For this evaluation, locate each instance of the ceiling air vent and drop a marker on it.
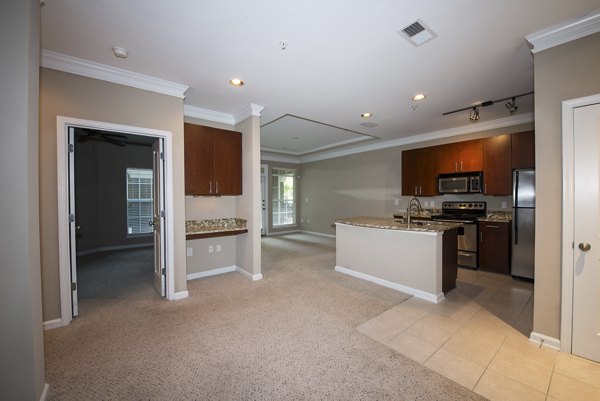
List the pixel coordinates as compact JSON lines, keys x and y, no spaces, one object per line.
{"x":417,"y":33}
{"x":369,"y":125}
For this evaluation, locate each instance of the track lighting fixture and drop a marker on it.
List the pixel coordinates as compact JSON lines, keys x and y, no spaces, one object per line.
{"x":474,"y":114}
{"x":511,"y":106}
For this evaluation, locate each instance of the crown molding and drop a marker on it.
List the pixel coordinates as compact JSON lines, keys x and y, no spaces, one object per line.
{"x":445,"y":133}
{"x":280,"y":158}
{"x":87,"y":68}
{"x":564,"y":32}
{"x":248,"y":111}
{"x":209,"y":115}
{"x":277,"y":151}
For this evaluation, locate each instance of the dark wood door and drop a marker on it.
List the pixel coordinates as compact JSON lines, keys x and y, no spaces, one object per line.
{"x":494,"y":247}
{"x":198,"y":159}
{"x":227,"y":162}
{"x":471,"y":155}
{"x":523,"y":150}
{"x":448,"y":158}
{"x":497,"y":174}
{"x":427,"y":171}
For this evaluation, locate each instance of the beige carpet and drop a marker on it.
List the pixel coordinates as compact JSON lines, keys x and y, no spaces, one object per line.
{"x":290,"y":336}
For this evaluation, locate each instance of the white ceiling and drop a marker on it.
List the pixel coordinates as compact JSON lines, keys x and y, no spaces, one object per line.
{"x":343,"y":58}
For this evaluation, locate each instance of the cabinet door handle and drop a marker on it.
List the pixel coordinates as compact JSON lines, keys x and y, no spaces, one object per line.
{"x":481,"y":237}
{"x":461,"y":169}
{"x":416,"y":193}
{"x":488,"y":226}
{"x":485,"y":188}
{"x":455,"y":167}
{"x":217,"y":185}
{"x":210,"y":187}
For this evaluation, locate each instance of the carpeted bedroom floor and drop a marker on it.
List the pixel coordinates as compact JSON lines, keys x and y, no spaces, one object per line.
{"x":290,"y":336}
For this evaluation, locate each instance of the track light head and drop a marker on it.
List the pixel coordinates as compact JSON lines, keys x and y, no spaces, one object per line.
{"x":474,"y":114}
{"x":511,"y":105}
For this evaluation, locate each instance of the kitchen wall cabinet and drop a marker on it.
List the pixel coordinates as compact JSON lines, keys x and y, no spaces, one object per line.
{"x":523,"y":150}
{"x":494,"y":247}
{"x":497,"y":174}
{"x":460,"y":156}
{"x":419,"y":171}
{"x":213,"y":161}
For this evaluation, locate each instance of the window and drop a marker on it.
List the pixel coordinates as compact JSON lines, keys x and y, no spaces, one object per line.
{"x":139,"y":200}
{"x":284,"y":197}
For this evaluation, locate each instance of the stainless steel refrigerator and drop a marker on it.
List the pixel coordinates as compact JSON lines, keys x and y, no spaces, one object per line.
{"x":523,"y":224}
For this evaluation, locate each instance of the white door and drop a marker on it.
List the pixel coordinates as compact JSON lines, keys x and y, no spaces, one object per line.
{"x":158,"y":216}
{"x":263,"y":189}
{"x":586,"y":263}
{"x":72,"y":223}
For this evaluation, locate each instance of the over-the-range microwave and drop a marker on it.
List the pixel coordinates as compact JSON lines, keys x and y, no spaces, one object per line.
{"x":461,"y":183}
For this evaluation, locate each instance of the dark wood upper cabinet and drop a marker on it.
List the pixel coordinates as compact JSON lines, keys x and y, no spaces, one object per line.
{"x":460,"y":157}
{"x":497,"y":174}
{"x":494,"y":247}
{"x":419,"y":171}
{"x":523,"y":150}
{"x":213,"y":161}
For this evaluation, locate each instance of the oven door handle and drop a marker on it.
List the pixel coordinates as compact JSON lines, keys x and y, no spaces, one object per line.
{"x":456,"y":221}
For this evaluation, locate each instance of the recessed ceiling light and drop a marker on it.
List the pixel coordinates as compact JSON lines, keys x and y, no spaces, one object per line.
{"x":120,"y":52}
{"x":419,"y":96}
{"x":366,"y":115}
{"x":236,"y":82}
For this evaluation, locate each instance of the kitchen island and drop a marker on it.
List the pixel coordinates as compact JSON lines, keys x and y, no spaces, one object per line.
{"x":418,"y":258}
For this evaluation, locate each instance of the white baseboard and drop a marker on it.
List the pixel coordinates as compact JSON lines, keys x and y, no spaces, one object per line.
{"x":253,"y":277}
{"x":544,"y":341}
{"x":113,"y":248}
{"x":44,"y":392}
{"x":213,"y":272}
{"x":316,"y":233}
{"x":273,"y":233}
{"x":54,"y":324}
{"x":435,"y":298}
{"x":179,"y":295}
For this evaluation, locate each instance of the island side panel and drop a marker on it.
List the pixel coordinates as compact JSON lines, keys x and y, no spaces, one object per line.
{"x":407,"y":258}
{"x":449,"y":260}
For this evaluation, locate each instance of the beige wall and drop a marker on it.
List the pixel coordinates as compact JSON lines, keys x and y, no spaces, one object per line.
{"x":369,"y":183}
{"x":21,"y":341}
{"x":564,"y":72}
{"x":64,"y":94}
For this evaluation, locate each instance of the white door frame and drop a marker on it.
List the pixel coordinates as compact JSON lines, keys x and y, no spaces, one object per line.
{"x":266,"y":211}
{"x":62,"y":124}
{"x":568,"y":148}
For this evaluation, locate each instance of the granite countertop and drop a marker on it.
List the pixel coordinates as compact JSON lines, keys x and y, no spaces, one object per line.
{"x":392,"y":224}
{"x":214,"y":226}
{"x":497,"y":216}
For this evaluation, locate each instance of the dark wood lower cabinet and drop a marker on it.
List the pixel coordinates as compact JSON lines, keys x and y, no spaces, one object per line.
{"x":494,"y":247}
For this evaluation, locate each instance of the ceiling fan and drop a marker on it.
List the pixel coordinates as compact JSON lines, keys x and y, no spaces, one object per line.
{"x":101,"y":136}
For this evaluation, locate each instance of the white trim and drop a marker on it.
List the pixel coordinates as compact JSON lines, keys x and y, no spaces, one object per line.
{"x":341,"y":143}
{"x":91,"y":69}
{"x":62,"y":124}
{"x":53,"y":324}
{"x":248,"y":111}
{"x":568,"y":210}
{"x":319,"y":234}
{"x":545,"y":341}
{"x":113,"y":248}
{"x":209,"y":115}
{"x":280,"y":158}
{"x":445,"y":133}
{"x":272,"y":233}
{"x":565,"y":32}
{"x":44,"y":392}
{"x":283,"y":152}
{"x":427,"y":296}
{"x":253,"y":277}
{"x":179,"y":295}
{"x":213,"y":272}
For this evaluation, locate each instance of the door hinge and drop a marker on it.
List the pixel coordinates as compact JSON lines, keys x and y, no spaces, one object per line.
{"x":573,"y":245}
{"x":71,"y":218}
{"x":164,"y":271}
{"x":162,"y":156}
{"x":71,"y":148}
{"x":162,"y":213}
{"x":73,"y":286}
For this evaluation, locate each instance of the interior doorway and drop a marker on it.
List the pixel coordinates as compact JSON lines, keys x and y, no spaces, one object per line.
{"x":142,"y":220}
{"x":580,"y":317}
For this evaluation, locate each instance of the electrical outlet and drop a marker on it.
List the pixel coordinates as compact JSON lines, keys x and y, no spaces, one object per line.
{"x":190,"y":251}
{"x":503,"y":204}
{"x":302,"y":220}
{"x":396,"y":202}
{"x":305,"y":200}
{"x":426,"y":204}
{"x":307,"y":221}
{"x":218,"y":247}
{"x":210,"y":249}
{"x":432,"y":203}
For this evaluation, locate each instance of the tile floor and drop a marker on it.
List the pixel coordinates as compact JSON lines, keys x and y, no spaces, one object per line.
{"x":478,"y":337}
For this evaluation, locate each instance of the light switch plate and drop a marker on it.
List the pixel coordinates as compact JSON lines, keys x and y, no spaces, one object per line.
{"x":218,"y":247}
{"x":190,"y":251}
{"x":210,"y":249}
{"x":503,"y":204}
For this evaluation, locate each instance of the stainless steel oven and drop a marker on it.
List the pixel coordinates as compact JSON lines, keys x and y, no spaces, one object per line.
{"x":466,"y":214}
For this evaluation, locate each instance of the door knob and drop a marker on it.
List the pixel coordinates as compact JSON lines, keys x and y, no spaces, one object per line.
{"x":584,"y":246}
{"x":151,"y":223}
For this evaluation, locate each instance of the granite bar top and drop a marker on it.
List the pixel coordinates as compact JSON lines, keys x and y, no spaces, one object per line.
{"x":497,"y":216}
{"x":214,"y":226}
{"x":392,"y":224}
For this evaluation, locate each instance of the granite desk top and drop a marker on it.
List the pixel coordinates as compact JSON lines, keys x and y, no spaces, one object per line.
{"x":197,"y":227}
{"x":392,"y":224}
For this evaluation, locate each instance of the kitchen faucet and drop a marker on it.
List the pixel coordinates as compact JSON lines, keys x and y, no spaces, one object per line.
{"x":409,"y":208}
